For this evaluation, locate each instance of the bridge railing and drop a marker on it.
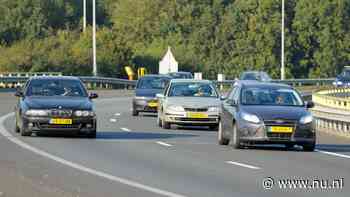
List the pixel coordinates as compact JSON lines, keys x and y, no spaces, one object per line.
{"x":332,"y":111}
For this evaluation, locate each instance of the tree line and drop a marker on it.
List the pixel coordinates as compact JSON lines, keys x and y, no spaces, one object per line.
{"x":209,"y":36}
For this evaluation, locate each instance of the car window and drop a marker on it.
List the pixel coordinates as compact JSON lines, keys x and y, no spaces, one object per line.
{"x":55,"y":87}
{"x":250,"y":76}
{"x":270,"y":96}
{"x":192,"y":89}
{"x":152,"y":83}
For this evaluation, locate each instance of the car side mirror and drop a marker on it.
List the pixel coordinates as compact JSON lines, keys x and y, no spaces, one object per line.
{"x":19,"y":93}
{"x":160,"y":96}
{"x":222,"y":97}
{"x":309,"y":104}
{"x":93,"y":96}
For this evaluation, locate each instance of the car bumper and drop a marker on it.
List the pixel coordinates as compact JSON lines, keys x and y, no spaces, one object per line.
{"x":183,"y":118}
{"x":145,"y":105}
{"x":37,"y":124}
{"x":260,"y":134}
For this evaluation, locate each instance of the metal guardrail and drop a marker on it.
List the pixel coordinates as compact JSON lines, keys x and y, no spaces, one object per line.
{"x":292,"y":82}
{"x":332,"y":111}
{"x":29,"y":74}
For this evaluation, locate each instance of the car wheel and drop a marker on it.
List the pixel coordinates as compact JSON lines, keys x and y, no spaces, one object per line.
{"x":135,"y":112}
{"x":23,"y":132}
{"x":92,"y":135}
{"x":214,"y":127}
{"x":17,"y":130}
{"x":309,"y":147}
{"x":166,"y":125}
{"x":221,"y":139}
{"x":159,"y":121}
{"x":236,"y":142}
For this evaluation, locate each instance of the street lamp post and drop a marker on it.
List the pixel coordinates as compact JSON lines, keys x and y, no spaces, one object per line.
{"x":84,"y":17}
{"x":94,"y":37}
{"x":283,"y":72}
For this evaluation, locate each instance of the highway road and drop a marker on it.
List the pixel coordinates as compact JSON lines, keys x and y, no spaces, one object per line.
{"x":133,"y":157}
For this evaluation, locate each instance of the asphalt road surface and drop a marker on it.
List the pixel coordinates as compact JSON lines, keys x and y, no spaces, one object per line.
{"x":133,"y":157}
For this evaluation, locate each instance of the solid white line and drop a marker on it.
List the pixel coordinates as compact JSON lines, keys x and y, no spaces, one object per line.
{"x":333,"y":154}
{"x":113,"y":120}
{"x":110,"y":177}
{"x":125,"y":129}
{"x":243,"y":165}
{"x":164,"y":144}
{"x":117,"y":114}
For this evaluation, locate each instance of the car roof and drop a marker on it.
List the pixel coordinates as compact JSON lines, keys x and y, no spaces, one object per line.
{"x":55,"y":77}
{"x":253,"y":83}
{"x":190,"y":80}
{"x":155,"y":75}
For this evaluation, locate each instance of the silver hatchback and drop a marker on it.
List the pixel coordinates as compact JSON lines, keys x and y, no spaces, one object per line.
{"x":189,"y":102}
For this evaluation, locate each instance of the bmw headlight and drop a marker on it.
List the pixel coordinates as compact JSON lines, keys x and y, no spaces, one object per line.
{"x":306,"y":119}
{"x":339,"y":82}
{"x":36,"y":112}
{"x":176,"y":108}
{"x":213,"y":109}
{"x":250,"y":118}
{"x":84,"y":113}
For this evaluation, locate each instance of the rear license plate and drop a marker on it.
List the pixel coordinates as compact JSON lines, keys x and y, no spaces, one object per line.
{"x":61,"y":121}
{"x":196,"y":115}
{"x":153,"y":104}
{"x":279,"y":129}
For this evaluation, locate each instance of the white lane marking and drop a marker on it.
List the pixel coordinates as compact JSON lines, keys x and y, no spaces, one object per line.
{"x":117,"y":114}
{"x":164,"y":144}
{"x":113,"y":120}
{"x":125,"y":129}
{"x":333,"y":154}
{"x":243,"y":165}
{"x":77,"y":166}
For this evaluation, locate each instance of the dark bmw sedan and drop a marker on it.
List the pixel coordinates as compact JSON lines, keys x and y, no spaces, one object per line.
{"x":147,"y":87}
{"x":270,"y":113}
{"x":55,"y":104}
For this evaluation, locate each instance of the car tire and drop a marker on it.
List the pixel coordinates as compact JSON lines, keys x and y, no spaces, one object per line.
{"x":236,"y":142}
{"x":159,"y":121}
{"x":221,"y":139}
{"x":309,"y":147}
{"x":92,"y":135}
{"x":17,"y":129}
{"x":135,"y":112}
{"x":23,"y":132}
{"x":214,"y":127}
{"x":166,"y":125}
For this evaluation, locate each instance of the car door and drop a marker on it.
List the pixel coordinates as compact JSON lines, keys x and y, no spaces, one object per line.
{"x":230,"y":109}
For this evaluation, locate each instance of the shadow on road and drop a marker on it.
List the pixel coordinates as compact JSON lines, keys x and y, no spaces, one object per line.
{"x":120,"y":135}
{"x":140,"y":135}
{"x":334,"y":147}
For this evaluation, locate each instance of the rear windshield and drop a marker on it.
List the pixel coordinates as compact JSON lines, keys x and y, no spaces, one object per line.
{"x":152,"y":83}
{"x":56,"y":87}
{"x":271,"y":96}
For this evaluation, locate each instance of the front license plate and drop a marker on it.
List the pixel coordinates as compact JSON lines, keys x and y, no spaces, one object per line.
{"x":278,"y":129}
{"x":196,"y":115}
{"x":61,"y":121}
{"x":153,"y":104}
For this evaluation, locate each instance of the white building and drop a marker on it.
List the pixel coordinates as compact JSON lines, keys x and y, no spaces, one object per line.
{"x":168,"y":63}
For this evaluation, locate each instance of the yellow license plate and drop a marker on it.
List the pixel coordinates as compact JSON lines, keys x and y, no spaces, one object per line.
{"x":153,"y":104}
{"x":196,"y":115}
{"x":61,"y":121}
{"x":277,"y":129}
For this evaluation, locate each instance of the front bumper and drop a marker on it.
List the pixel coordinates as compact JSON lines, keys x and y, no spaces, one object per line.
{"x":183,"y":118}
{"x":37,"y":124}
{"x":259,"y":133}
{"x":145,"y":105}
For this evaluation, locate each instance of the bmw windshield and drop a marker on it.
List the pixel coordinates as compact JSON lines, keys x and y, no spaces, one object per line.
{"x":270,"y":96}
{"x":54,"y":87}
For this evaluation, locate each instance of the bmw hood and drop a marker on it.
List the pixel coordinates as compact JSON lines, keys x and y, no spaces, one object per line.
{"x":276,"y":112}
{"x":194,"y":102}
{"x":55,"y":102}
